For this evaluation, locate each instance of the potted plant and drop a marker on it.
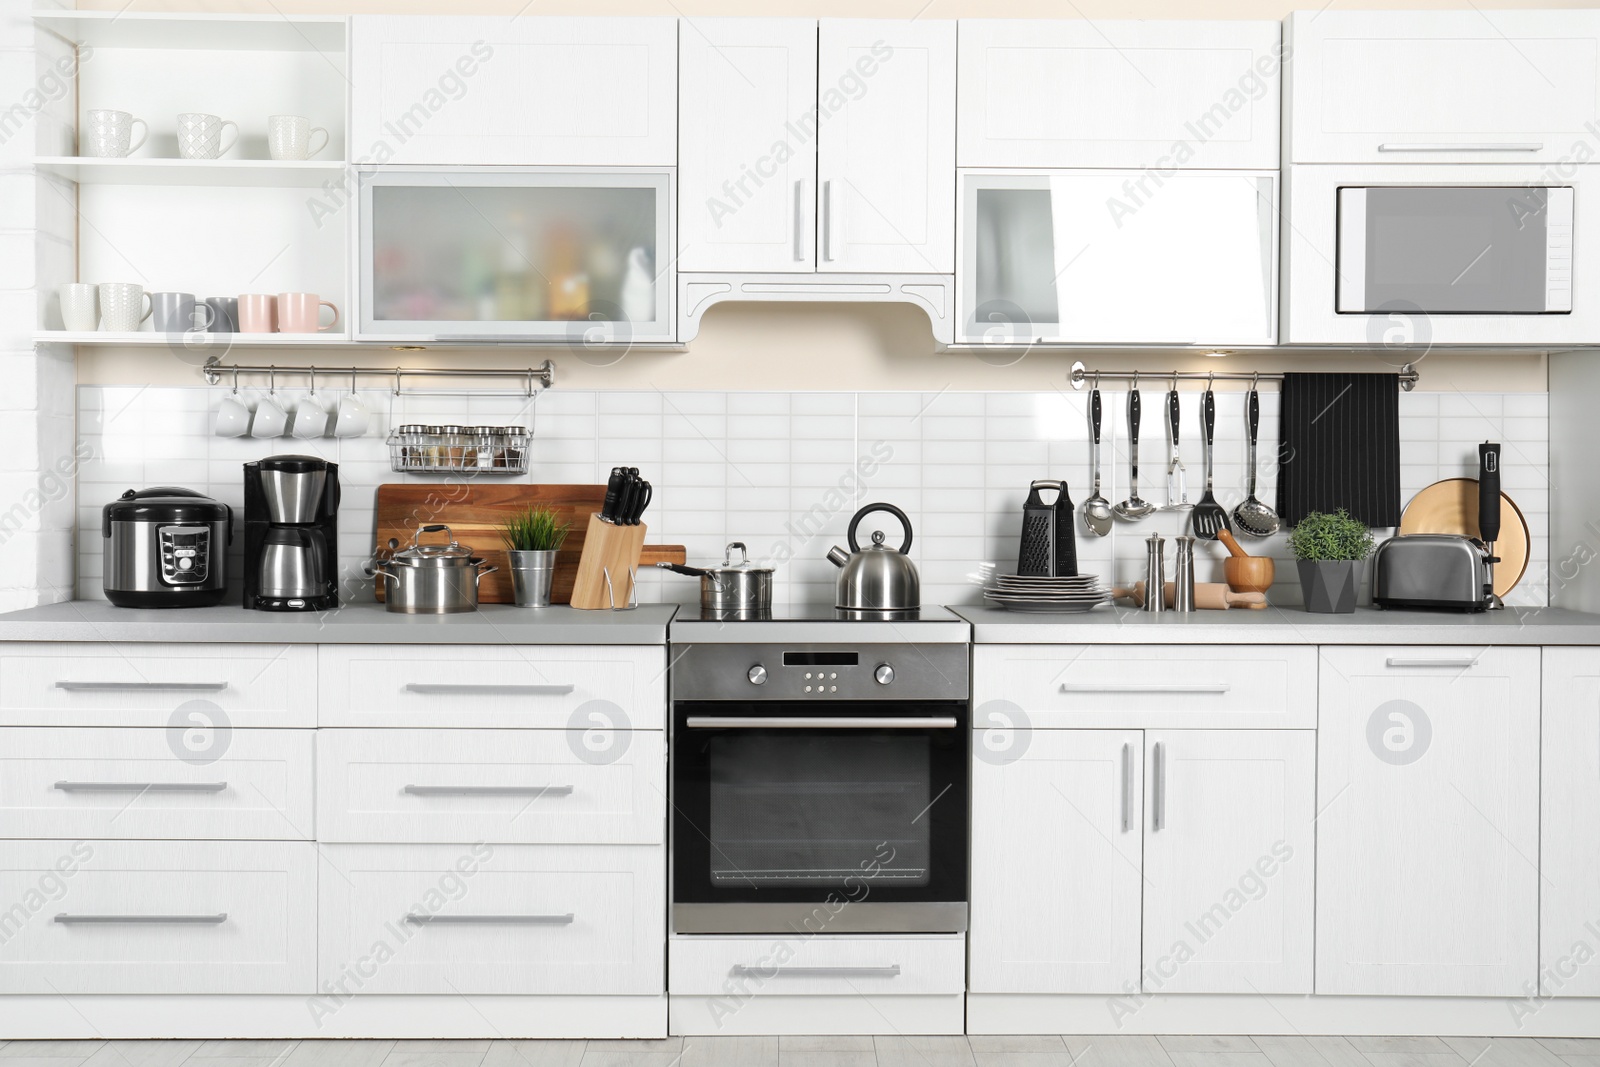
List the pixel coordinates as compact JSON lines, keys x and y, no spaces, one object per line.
{"x":532,"y":539}
{"x":1329,"y":550}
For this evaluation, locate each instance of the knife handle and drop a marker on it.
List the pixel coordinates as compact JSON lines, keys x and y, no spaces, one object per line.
{"x":1489,"y":491}
{"x":613,"y":500}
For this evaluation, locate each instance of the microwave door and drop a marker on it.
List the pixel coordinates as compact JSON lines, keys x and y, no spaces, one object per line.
{"x":1455,"y":250}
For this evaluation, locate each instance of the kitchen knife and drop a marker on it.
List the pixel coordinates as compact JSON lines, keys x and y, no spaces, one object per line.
{"x":613,"y":500}
{"x":630,"y":491}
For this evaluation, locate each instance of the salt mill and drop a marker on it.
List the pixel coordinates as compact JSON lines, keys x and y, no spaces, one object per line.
{"x":1183,"y":575}
{"x":1155,"y":573}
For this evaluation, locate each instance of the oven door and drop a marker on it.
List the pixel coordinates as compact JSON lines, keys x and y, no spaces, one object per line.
{"x":792,"y":818}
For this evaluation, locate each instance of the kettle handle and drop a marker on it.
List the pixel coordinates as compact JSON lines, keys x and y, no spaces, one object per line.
{"x":891,"y":509}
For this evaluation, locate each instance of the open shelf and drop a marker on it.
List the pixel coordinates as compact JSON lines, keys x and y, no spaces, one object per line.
{"x":165,"y":29}
{"x":216,"y":343}
{"x":87,"y":170}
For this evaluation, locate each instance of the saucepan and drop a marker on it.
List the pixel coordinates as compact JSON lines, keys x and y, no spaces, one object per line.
{"x":742,"y":587}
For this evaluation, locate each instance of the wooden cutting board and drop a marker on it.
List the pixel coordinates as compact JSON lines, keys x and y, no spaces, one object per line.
{"x":1451,"y":507}
{"x":474,"y":513}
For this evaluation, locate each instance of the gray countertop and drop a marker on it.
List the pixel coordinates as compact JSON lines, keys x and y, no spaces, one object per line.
{"x":1284,"y":626}
{"x":362,"y":623}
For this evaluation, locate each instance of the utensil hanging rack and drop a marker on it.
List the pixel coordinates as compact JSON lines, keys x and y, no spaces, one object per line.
{"x":534,"y":379}
{"x":1081,"y":375}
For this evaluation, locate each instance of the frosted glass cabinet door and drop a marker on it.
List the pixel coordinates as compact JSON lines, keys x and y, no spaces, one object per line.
{"x":547,"y":254}
{"x":1118,"y":257}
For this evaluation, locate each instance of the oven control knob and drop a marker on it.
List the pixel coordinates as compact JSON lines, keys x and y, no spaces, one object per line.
{"x":884,"y":674}
{"x":758,"y":675}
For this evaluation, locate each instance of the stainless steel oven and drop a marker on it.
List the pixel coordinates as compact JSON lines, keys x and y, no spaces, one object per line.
{"x":820,"y":787}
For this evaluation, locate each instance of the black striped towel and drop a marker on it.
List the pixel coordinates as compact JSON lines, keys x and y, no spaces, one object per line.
{"x":1340,"y":446}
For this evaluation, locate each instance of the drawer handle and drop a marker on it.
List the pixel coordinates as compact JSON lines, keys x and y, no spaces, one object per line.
{"x":1143,"y":687}
{"x":488,"y":790}
{"x":142,"y":920}
{"x":141,"y":787}
{"x":820,"y":722}
{"x":1466,"y":146}
{"x":113,"y":687}
{"x":490,"y":920}
{"x":741,"y":971}
{"x":1401,"y":661}
{"x":465,"y":689}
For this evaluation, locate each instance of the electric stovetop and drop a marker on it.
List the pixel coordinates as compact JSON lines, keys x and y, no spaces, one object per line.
{"x":818,"y":623}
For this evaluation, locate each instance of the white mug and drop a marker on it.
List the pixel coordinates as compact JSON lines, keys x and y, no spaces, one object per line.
{"x":109,"y":134}
{"x":271,"y":420}
{"x":77,"y":306}
{"x":310,"y":420}
{"x":123,"y":306}
{"x":353,"y":418}
{"x":200,"y":135}
{"x":290,"y":136}
{"x":233,"y":417}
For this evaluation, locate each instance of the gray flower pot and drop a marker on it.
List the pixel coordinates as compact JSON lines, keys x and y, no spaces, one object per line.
{"x":1329,"y":586}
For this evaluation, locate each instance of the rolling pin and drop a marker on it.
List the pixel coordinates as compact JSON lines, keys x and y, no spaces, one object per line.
{"x":1207,"y":595}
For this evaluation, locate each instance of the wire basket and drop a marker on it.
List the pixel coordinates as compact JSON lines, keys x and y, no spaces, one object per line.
{"x":417,"y":449}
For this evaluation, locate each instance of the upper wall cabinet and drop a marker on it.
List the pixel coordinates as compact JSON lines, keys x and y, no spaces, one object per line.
{"x":1441,"y":86}
{"x":1075,"y":93}
{"x":588,"y":92}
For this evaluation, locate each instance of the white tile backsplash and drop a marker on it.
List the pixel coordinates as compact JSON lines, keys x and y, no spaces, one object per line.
{"x":784,"y":472}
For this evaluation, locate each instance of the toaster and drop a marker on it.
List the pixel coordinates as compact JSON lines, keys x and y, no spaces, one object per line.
{"x":1448,"y":571}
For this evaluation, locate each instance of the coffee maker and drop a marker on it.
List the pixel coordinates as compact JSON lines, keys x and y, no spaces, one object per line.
{"x":291,"y":534}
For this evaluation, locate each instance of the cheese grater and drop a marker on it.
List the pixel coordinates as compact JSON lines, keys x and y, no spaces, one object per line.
{"x":1049,"y":546}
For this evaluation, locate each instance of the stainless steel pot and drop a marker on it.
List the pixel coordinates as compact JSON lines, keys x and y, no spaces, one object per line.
{"x":432,"y":579}
{"x":742,"y":587}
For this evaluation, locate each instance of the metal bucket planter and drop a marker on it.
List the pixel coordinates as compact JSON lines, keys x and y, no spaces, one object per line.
{"x":532,"y":573}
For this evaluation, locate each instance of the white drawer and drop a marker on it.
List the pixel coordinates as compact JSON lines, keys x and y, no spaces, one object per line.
{"x":158,"y":685}
{"x":485,"y":918}
{"x":1155,"y":686}
{"x":779,"y":965}
{"x":234,"y":918}
{"x":517,"y":686}
{"x":96,"y":782}
{"x":504,"y":786}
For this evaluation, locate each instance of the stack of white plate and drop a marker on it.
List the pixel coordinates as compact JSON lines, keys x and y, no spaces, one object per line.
{"x":1021,"y":593}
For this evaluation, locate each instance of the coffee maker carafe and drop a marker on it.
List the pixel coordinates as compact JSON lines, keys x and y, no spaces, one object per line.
{"x":291,"y":535}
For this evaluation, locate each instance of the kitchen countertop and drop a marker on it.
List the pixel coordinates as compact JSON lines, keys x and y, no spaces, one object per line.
{"x":360,"y":623}
{"x":1284,"y":626}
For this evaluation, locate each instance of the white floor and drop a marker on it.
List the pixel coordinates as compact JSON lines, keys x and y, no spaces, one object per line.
{"x":824,"y":1052}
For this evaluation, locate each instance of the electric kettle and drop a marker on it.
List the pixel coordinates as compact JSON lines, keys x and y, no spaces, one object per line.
{"x":877,"y":578}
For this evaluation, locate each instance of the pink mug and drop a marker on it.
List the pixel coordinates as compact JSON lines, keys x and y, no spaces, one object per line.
{"x":302,"y":313}
{"x":257,"y":313}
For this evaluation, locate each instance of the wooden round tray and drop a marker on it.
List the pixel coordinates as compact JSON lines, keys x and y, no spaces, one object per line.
{"x":1451,"y":507}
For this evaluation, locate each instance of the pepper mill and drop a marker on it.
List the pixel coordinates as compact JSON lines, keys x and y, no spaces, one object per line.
{"x":1183,"y":575}
{"x":1155,"y":572}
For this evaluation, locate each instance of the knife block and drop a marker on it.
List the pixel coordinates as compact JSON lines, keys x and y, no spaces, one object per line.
{"x":613,"y":549}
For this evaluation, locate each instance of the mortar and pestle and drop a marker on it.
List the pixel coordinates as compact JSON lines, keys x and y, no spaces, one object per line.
{"x":1245,"y":573}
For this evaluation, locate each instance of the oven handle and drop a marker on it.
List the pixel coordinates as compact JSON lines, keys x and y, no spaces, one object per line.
{"x":820,"y":722}
{"x":739,"y":970}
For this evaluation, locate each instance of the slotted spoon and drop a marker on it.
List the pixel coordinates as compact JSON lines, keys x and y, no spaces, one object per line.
{"x":1208,"y":516}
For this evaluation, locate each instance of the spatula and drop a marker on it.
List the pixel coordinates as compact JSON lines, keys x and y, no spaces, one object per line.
{"x":1209,"y":516}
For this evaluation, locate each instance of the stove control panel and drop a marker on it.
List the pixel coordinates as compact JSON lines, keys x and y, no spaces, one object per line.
{"x":820,"y":672}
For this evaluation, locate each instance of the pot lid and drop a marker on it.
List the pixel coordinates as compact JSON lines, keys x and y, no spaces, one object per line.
{"x":292,"y":464}
{"x":744,"y":563}
{"x":166,"y":504}
{"x":451,"y":554}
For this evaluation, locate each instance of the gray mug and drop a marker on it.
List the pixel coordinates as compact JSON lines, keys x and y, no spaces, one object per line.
{"x":175,"y":313}
{"x":224,"y":314}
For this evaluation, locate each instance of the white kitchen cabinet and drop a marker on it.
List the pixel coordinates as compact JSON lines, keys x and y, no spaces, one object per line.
{"x":1056,"y":864}
{"x":748,"y":144}
{"x":1154,"y":95}
{"x":537,"y":91}
{"x":1569,"y":892}
{"x":886,"y":150}
{"x":1229,"y":856}
{"x":1442,"y":86}
{"x":1428,"y":825}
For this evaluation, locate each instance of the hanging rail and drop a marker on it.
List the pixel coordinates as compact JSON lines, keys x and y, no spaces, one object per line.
{"x":1081,"y":375}
{"x":545,"y":374}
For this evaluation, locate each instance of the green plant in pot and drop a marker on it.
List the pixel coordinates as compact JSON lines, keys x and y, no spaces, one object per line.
{"x":1329,"y":549}
{"x":533,"y":537}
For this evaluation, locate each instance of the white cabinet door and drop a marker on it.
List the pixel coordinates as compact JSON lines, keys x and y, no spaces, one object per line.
{"x":886,"y":171}
{"x":1229,"y":861}
{"x":586,"y":92}
{"x":1569,"y":898}
{"x":1442,"y":86}
{"x":748,"y":144}
{"x":1056,"y":864}
{"x":1428,"y":824}
{"x":1095,"y":93}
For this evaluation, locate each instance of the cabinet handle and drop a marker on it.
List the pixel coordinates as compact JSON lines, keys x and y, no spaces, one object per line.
{"x":1478,"y":146}
{"x":1402,"y":661}
{"x":827,"y":221}
{"x":467,"y":689}
{"x":489,"y":920}
{"x":819,"y":722}
{"x":145,"y":687}
{"x":739,"y":970}
{"x":1158,"y":791}
{"x":488,"y":790}
{"x":1143,"y":687}
{"x":142,"y":920}
{"x":141,"y":787}
{"x":799,"y":220}
{"x":1127,"y":784}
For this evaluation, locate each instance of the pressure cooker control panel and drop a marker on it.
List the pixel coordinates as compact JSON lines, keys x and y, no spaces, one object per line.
{"x":185,"y":554}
